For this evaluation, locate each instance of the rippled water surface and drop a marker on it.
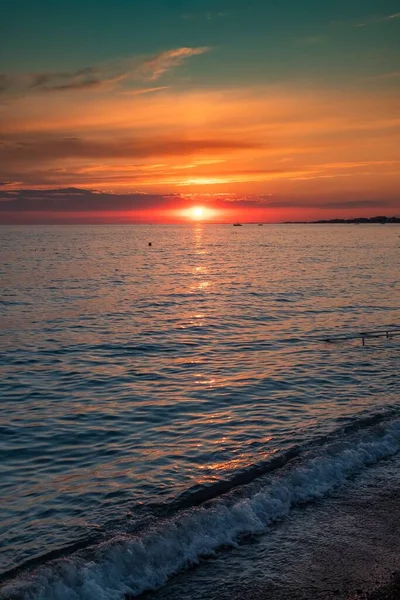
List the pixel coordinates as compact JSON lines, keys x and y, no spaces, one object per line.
{"x":135,"y":376}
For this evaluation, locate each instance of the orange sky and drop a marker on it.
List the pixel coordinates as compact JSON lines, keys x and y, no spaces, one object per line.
{"x":271,"y":142}
{"x":155,"y":138}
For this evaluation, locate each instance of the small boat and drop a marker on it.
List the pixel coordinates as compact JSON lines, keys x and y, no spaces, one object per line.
{"x":260,"y":224}
{"x":237,"y":225}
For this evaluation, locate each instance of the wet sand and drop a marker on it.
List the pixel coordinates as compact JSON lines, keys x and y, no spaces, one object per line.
{"x":390,"y":591}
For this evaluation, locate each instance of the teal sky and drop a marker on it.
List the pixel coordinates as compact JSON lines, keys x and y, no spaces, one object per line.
{"x":252,"y":39}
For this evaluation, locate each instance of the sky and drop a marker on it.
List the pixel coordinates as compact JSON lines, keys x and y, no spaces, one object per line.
{"x":255,"y":110}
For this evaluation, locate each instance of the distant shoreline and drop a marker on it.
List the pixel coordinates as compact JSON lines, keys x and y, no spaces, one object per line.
{"x":356,"y":220}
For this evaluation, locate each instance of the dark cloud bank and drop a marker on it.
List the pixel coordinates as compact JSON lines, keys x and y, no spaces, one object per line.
{"x":19,"y":206}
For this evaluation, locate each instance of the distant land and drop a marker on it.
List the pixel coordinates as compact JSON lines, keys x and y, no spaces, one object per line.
{"x":356,"y":220}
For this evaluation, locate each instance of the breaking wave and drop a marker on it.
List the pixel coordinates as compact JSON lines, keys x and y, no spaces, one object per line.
{"x":128,"y":565}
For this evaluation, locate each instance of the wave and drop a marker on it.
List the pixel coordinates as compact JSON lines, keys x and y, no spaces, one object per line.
{"x":128,"y":565}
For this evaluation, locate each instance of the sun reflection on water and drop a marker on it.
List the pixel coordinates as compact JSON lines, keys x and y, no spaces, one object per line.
{"x":200,"y":271}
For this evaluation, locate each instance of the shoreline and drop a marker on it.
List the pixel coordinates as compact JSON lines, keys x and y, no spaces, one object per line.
{"x":342,"y":547}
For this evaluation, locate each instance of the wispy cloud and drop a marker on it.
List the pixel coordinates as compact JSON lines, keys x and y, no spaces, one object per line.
{"x":358,"y":164}
{"x":148,"y":90}
{"x":8,"y":182}
{"x":378,"y":19}
{"x":40,"y":148}
{"x":156,"y":66}
{"x":106,"y":76}
{"x":266,"y":138}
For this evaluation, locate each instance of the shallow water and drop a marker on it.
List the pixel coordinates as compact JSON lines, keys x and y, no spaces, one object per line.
{"x":134,"y":377}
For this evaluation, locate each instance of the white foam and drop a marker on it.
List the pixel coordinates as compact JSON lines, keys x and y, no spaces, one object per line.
{"x":132,"y":565}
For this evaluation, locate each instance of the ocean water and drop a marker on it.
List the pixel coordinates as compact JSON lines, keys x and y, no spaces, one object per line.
{"x":158,"y":403}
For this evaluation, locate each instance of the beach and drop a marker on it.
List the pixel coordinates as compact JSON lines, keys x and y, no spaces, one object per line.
{"x":344,"y":547}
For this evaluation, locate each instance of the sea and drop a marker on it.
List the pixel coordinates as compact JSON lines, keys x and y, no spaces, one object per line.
{"x":173,"y":396}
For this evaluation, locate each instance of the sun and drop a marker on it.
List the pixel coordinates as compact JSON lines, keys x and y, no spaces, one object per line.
{"x":197,"y":213}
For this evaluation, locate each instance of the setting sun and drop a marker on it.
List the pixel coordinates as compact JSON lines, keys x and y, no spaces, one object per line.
{"x":199,"y":213}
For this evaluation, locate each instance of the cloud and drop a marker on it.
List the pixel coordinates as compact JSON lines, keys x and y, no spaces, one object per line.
{"x":357,"y":164}
{"x":106,"y":76}
{"x":91,"y":205}
{"x":378,"y":19}
{"x":141,"y":91}
{"x":39,"y":149}
{"x":354,"y":204}
{"x":51,"y":81}
{"x":391,"y":17}
{"x":9,"y":182}
{"x":79,"y":204}
{"x":155,"y":67}
{"x":275,"y":139}
{"x":74,"y":200}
